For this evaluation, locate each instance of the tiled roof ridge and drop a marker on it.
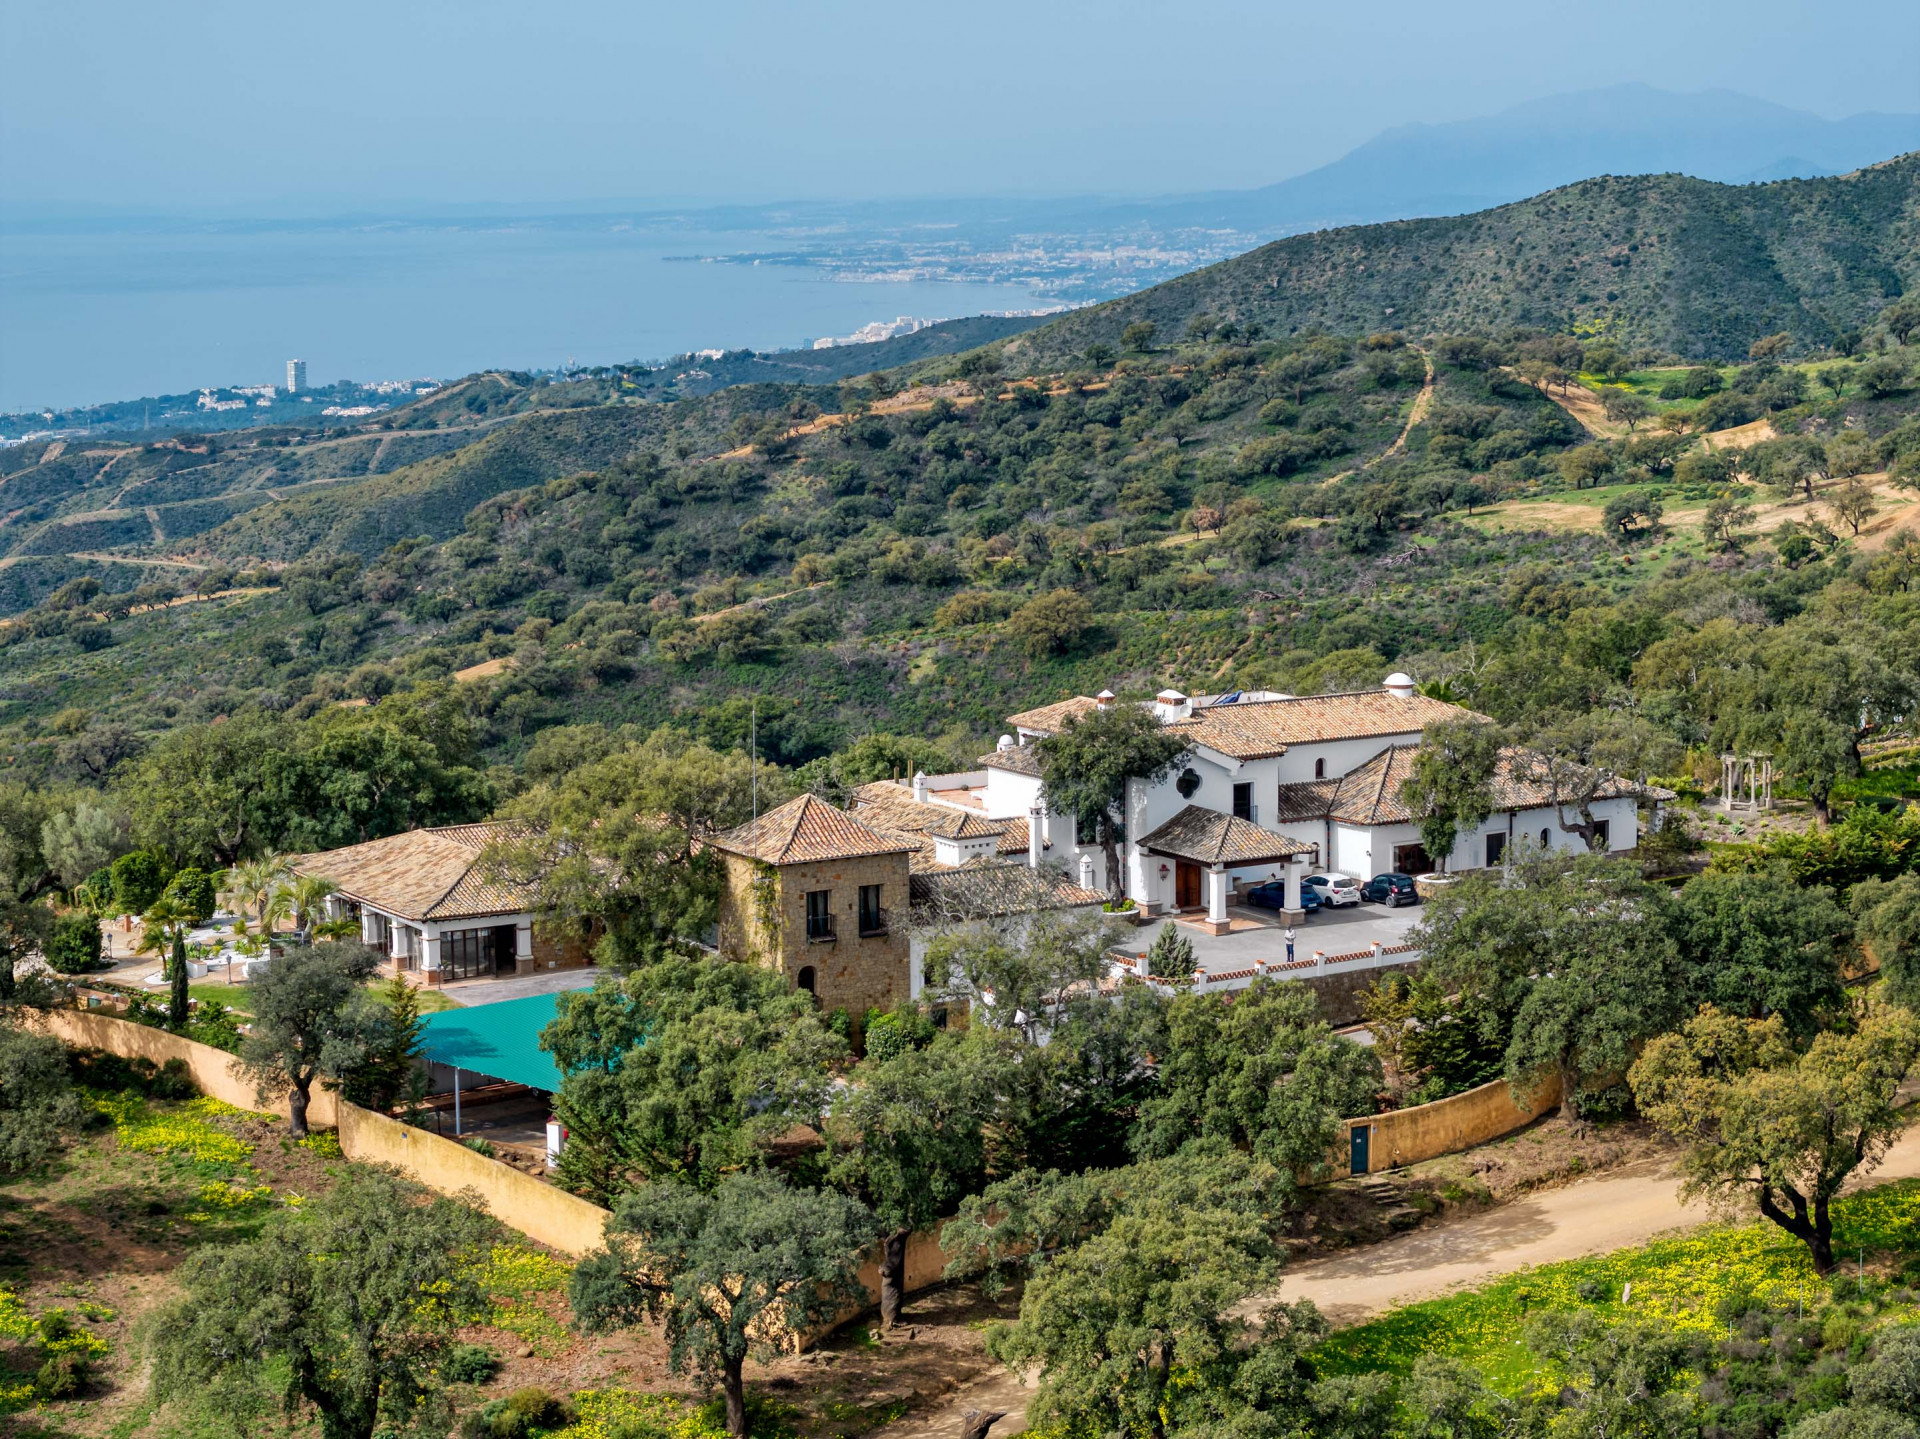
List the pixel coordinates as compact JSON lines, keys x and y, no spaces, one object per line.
{"x":1386,"y":772}
{"x":773,"y":837}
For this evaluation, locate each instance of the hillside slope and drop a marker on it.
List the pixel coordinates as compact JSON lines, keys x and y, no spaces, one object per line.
{"x":1686,"y":265}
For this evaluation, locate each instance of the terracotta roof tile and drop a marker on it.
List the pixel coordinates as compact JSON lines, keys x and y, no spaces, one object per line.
{"x":1265,"y":728}
{"x":1020,"y":759}
{"x":901,"y":813}
{"x":986,"y":889}
{"x":1370,"y":794}
{"x":807,"y":829}
{"x":1047,"y":719}
{"x":425,"y":874}
{"x":1207,"y":836}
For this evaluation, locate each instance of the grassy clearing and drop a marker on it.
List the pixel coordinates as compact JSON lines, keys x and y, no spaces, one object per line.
{"x":1689,"y":1282}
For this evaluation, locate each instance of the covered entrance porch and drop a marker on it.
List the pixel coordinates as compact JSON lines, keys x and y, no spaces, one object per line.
{"x":1196,"y":852}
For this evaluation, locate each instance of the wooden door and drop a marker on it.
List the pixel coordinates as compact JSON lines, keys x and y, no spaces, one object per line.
{"x":1186,"y":886}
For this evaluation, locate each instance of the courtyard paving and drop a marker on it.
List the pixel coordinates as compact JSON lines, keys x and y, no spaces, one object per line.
{"x":489,"y":990}
{"x":1258,"y":934}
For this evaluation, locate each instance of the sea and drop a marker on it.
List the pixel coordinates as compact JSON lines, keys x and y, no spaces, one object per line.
{"x":110,"y":310}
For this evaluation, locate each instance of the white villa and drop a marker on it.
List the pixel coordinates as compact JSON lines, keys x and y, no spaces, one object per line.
{"x":1275,"y":787}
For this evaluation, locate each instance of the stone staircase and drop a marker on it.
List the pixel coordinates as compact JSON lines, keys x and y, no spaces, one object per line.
{"x":1386,"y":1196}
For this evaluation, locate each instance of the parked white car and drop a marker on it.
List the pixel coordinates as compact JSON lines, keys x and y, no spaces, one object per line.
{"x":1336,"y":890}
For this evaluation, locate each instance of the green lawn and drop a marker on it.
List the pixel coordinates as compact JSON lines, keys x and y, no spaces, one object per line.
{"x":1686,"y":1282}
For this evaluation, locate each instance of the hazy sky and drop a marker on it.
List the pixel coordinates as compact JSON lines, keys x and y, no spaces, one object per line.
{"x":205,"y":105}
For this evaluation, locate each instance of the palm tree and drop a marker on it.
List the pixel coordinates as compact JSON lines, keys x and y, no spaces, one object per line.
{"x":250,"y":883}
{"x":345,"y":927}
{"x":309,"y":898}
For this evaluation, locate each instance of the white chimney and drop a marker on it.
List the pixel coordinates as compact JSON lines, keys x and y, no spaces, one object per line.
{"x":1006,"y":743}
{"x":1399,"y":685}
{"x":1170,"y":705}
{"x":920,"y":787}
{"x":1104,"y":698}
{"x":1086,"y":871}
{"x":1036,"y":826}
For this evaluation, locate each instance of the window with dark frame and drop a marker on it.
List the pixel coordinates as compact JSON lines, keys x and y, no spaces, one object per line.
{"x":1603,"y":834}
{"x":819,"y":914}
{"x":1496,"y":849}
{"x":466,"y":953}
{"x":1320,"y":769}
{"x":1243,"y":801}
{"x":873,"y":919}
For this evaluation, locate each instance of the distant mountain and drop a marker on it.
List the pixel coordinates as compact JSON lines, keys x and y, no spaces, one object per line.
{"x":1466,"y":165}
{"x":1687,"y":265}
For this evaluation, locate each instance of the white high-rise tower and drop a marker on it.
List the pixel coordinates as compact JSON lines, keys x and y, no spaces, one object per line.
{"x":296,"y":376}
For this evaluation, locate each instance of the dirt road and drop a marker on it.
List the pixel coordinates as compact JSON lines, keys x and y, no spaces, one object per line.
{"x":1611,"y":1211}
{"x":1617,"y":1209}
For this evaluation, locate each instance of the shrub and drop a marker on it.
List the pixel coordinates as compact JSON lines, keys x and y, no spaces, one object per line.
{"x":192,"y":889}
{"x":62,"y":1376}
{"x":516,"y":1416}
{"x":55,"y":1325}
{"x":74,"y":946}
{"x":470,"y":1364}
{"x":1171,"y":954}
{"x":891,"y":1033}
{"x":139,"y":878}
{"x":482,"y":1147}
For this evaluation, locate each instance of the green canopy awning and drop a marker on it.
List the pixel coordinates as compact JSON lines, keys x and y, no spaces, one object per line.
{"x":501,"y":1041}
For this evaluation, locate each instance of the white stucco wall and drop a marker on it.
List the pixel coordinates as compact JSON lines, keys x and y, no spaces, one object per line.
{"x":1010,"y":795}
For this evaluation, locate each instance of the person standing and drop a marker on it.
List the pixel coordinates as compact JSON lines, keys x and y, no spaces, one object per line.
{"x":1289,"y":944}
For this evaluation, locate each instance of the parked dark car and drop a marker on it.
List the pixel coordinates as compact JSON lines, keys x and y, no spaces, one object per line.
{"x":1392,"y":890}
{"x":1273,"y":895}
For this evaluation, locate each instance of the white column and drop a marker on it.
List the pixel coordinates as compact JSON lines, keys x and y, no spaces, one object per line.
{"x":396,"y":941}
{"x":1217,"y":895}
{"x":523,"y":940}
{"x":1296,"y":871}
{"x":366,"y":928}
{"x":430,"y":948}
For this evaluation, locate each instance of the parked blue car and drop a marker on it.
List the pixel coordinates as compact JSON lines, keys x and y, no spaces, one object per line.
{"x":1273,"y":895}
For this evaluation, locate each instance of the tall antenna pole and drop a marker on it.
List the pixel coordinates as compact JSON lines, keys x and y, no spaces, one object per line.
{"x":753,"y":751}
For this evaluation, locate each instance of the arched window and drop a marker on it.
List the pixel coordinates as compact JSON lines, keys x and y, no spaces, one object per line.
{"x":805,"y":978}
{"x":1546,"y":838}
{"x":1320,"y":769}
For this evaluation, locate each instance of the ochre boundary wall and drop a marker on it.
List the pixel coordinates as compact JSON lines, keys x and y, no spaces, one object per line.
{"x":1426,"y":1131}
{"x":212,"y":1068}
{"x":554,"y":1217}
{"x":540,"y":1211}
{"x":570,"y":1224}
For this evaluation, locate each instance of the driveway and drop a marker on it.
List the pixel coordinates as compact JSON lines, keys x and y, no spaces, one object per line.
{"x":467,"y":992}
{"x":1258,"y":934}
{"x":1611,"y":1211}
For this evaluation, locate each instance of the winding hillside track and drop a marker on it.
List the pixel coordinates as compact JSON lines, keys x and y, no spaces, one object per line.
{"x":1615,"y":1210}
{"x":1422,"y":403}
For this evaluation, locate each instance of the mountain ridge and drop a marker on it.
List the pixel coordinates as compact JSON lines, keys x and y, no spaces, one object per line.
{"x":1693,"y":266}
